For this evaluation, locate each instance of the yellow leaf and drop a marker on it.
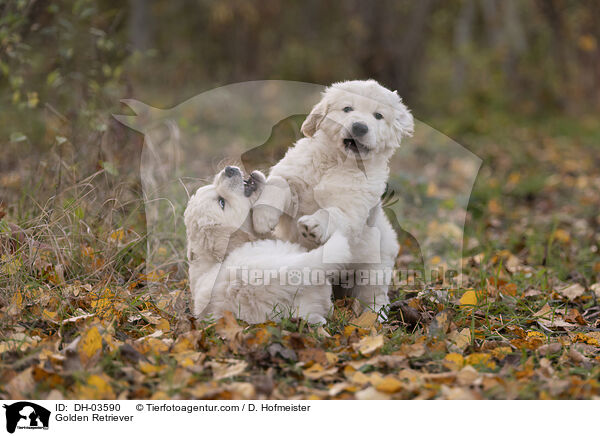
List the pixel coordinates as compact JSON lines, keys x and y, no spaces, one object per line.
{"x":454,"y":361}
{"x":316,"y":372}
{"x":501,"y":352}
{"x":10,"y":264}
{"x":89,"y":346}
{"x":480,"y":359}
{"x":160,"y":396}
{"x":154,"y":345}
{"x":117,"y":236}
{"x":332,"y":358}
{"x":163,"y":325}
{"x":389,"y":385}
{"x":469,"y":298}
{"x":349,"y":329}
{"x":49,"y":315}
{"x":97,"y":388}
{"x":260,"y":337}
{"x":103,"y":305}
{"x":366,"y":320}
{"x":562,"y":235}
{"x":369,"y":344}
{"x":586,"y":339}
{"x":183,"y":344}
{"x":359,"y":378}
{"x":17,"y":299}
{"x":148,"y":368}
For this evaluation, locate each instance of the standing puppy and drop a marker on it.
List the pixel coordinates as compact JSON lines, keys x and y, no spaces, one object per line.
{"x":333,"y":179}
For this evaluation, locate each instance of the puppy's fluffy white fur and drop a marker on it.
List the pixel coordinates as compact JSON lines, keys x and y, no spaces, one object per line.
{"x":332,"y":180}
{"x":220,"y":240}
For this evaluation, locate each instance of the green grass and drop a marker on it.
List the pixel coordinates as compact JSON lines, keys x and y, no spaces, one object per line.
{"x":534,"y":199}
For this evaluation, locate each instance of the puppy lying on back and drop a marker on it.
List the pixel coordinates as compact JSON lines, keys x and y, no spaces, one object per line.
{"x":332,"y":180}
{"x":225,"y":257}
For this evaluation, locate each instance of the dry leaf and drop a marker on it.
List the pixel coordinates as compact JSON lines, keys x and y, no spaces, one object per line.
{"x":228,"y":328}
{"x":549,"y":319}
{"x":460,"y":339}
{"x":90,"y":346}
{"x":389,"y":384}
{"x":469,"y":298}
{"x":369,"y":344}
{"x":366,"y":320}
{"x":454,"y":361}
{"x":316,"y":372}
{"x":571,"y":292}
{"x":371,"y":393}
{"x":228,"y":368}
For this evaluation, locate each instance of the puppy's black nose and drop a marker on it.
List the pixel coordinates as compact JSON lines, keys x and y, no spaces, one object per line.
{"x":231,"y":171}
{"x":359,"y":129}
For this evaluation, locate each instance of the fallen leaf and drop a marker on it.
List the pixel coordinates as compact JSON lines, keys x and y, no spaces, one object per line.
{"x":312,"y":355}
{"x":482,"y":359}
{"x":366,"y":320}
{"x":90,"y":346}
{"x":96,"y":388}
{"x":454,"y":361}
{"x":469,"y":298}
{"x":460,"y":339}
{"x":389,"y":384}
{"x":316,"y":372}
{"x":228,"y":368}
{"x":148,"y":368}
{"x":571,"y":292}
{"x":228,"y":328}
{"x":369,"y":344}
{"x":548,"y":318}
{"x":371,"y":393}
{"x":440,"y":324}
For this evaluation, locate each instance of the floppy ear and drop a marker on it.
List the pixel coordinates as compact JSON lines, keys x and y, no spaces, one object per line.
{"x":404,"y":124}
{"x":314,"y":118}
{"x":209,"y":239}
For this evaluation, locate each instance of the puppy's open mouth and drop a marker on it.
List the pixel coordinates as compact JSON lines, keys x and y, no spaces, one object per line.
{"x":250,"y":186}
{"x":354,"y":146}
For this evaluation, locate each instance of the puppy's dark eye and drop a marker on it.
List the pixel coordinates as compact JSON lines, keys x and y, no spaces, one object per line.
{"x":348,"y":109}
{"x":378,"y":116}
{"x":221,"y":202}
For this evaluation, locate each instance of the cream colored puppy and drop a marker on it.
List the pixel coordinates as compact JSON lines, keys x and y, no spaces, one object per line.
{"x":332,"y":180}
{"x":256,"y":280}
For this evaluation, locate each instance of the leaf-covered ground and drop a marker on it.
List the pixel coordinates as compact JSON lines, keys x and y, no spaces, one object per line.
{"x":77,"y":319}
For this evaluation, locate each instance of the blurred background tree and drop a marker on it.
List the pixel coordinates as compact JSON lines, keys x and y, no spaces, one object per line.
{"x":463,"y":66}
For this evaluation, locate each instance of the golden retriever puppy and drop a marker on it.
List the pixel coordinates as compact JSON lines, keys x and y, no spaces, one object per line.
{"x":256,"y":280}
{"x":332,"y":180}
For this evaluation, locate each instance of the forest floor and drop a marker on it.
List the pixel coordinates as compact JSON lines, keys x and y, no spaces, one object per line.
{"x":77,"y":320}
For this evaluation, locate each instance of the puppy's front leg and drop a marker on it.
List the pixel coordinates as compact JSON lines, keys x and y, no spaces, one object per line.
{"x":318,"y":227}
{"x":275,"y":199}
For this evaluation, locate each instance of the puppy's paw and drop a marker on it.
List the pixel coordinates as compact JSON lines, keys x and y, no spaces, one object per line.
{"x":312,"y":229}
{"x":265,"y":218}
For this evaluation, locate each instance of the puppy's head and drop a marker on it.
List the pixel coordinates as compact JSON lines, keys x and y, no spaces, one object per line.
{"x":361,"y":116}
{"x":216,"y":218}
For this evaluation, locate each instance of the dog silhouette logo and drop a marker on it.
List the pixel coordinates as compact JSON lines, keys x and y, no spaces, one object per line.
{"x":26,"y":415}
{"x":252,"y":125}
